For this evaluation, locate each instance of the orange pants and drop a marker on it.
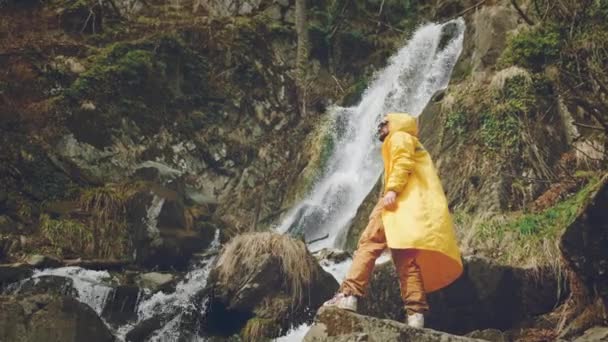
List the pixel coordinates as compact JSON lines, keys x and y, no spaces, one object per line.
{"x":371,"y":245}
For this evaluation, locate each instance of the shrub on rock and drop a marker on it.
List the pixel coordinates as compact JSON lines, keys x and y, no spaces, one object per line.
{"x":263,"y":284}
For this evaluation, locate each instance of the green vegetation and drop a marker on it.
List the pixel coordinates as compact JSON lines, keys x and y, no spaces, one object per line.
{"x":526,"y":239}
{"x":355,"y":92}
{"x":107,"y":221}
{"x":137,"y":81}
{"x":533,"y":48}
{"x":102,"y":234}
{"x":500,"y":129}
{"x":65,"y":236}
{"x":456,"y":121}
{"x":117,"y":65}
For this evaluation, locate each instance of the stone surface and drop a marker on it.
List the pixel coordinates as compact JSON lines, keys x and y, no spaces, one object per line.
{"x":471,"y":302}
{"x":155,"y":280}
{"x":121,"y":305}
{"x":48,"y":284}
{"x":11,"y":273}
{"x":335,"y":325}
{"x":42,"y":261}
{"x":160,"y":231}
{"x":50,"y":319}
{"x":491,"y":27}
{"x":584,"y":243}
{"x":594,"y":334}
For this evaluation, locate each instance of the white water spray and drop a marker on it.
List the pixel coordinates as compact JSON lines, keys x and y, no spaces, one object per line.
{"x":414,"y":74}
{"x":91,"y":286}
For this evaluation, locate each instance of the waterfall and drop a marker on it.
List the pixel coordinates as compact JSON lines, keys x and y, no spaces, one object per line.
{"x":414,"y":74}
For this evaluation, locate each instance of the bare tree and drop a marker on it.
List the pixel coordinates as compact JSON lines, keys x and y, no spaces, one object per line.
{"x":302,"y":52}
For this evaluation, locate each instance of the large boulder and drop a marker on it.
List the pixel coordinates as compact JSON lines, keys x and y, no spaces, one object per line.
{"x":263,"y":284}
{"x":336,"y":325}
{"x":51,"y":319}
{"x":162,"y":230}
{"x":584,"y":244}
{"x":487,"y":295}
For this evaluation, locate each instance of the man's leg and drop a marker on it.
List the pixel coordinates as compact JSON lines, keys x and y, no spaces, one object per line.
{"x":410,"y":281}
{"x":371,"y":245}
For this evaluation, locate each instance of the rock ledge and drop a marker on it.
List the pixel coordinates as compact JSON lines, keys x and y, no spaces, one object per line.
{"x":336,"y":325}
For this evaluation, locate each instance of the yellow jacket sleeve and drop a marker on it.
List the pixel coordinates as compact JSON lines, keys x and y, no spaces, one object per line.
{"x":402,"y":149}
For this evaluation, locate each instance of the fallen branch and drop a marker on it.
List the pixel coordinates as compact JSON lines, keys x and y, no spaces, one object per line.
{"x":521,"y":13}
{"x":318,"y":239}
{"x":588,"y":126}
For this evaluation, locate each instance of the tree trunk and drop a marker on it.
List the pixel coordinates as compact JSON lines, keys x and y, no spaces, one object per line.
{"x":302,"y":53}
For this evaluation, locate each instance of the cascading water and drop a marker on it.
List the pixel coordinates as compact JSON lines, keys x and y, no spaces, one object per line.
{"x":414,"y":74}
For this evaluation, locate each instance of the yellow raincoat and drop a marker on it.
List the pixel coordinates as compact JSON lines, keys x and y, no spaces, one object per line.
{"x":421,"y":220}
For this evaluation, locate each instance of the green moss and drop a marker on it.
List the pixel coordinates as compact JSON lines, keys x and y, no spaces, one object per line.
{"x":528,"y":238}
{"x":456,"y":121}
{"x":500,"y":129}
{"x":533,"y":48}
{"x":138,"y":81}
{"x":119,"y":67}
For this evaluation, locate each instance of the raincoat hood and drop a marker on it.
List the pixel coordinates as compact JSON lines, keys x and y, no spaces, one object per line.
{"x":402,"y":122}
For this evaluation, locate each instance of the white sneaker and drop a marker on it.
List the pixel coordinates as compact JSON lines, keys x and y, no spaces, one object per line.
{"x":416,"y":320}
{"x":343,"y":301}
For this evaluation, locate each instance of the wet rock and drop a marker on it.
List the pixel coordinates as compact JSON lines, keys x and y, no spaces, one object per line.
{"x":335,"y":325}
{"x":11,"y":273}
{"x":121,"y":305}
{"x":470,"y":302}
{"x":155,"y":281}
{"x":51,"y":319}
{"x":142,"y":331}
{"x":42,"y":261}
{"x":584,"y":242}
{"x":331,"y":255}
{"x":263,"y":284}
{"x":48,"y":284}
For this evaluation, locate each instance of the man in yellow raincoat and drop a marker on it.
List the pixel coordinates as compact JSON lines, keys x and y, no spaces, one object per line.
{"x":411,"y":219}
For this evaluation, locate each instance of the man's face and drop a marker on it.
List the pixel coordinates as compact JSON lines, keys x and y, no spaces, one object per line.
{"x":383,"y":130}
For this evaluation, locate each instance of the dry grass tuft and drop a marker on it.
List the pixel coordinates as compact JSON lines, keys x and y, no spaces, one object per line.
{"x":501,"y":77}
{"x":298,"y":267}
{"x":260,"y":329}
{"x":107,"y":206}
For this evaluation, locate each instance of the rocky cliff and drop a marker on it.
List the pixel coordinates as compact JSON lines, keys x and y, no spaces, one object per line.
{"x":137,"y":135}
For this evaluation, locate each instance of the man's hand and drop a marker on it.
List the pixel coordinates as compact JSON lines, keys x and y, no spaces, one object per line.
{"x":390,"y":200}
